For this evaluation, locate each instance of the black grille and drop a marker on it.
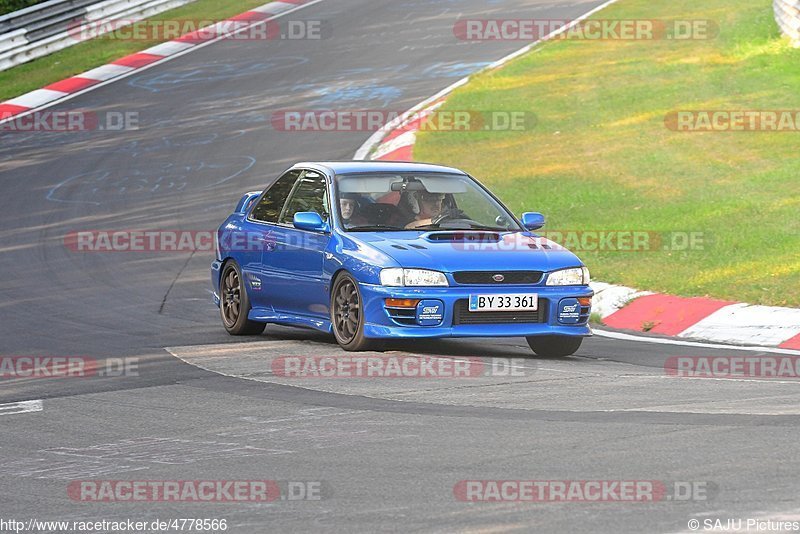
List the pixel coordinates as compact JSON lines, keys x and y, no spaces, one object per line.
{"x":403,"y":316}
{"x":462,"y":315}
{"x":485,"y":277}
{"x":584,"y":317}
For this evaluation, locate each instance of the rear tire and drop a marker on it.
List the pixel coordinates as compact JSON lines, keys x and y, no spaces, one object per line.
{"x":347,"y":316}
{"x":234,"y":305}
{"x":554,"y":346}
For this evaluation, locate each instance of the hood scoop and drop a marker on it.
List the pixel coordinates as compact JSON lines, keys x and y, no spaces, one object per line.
{"x":463,"y":237}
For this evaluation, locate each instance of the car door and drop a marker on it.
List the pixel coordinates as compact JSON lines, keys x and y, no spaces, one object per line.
{"x":294,"y":267}
{"x":257,"y":237}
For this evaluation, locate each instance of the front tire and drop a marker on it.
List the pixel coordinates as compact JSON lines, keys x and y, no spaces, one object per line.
{"x":347,"y":315}
{"x":234,"y":305}
{"x":554,"y":346}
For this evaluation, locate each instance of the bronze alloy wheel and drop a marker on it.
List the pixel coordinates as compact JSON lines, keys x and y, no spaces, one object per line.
{"x":347,"y":315}
{"x":234,"y":306}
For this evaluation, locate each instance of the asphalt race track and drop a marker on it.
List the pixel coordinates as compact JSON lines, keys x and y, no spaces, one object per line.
{"x":386,"y":453}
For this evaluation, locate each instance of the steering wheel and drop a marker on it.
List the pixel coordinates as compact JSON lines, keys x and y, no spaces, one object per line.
{"x":451,"y":214}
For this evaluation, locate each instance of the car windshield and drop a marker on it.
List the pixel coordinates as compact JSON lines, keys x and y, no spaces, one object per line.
{"x":390,"y":202}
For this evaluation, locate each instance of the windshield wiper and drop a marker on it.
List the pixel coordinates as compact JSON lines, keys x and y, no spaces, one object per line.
{"x":438,"y":226}
{"x":374,"y":228}
{"x":487,"y":228}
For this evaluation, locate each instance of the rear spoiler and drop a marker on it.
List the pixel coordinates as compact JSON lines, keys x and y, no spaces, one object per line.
{"x":246,"y":200}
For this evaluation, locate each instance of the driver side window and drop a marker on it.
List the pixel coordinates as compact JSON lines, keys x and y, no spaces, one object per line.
{"x":270,"y":206}
{"x":310,"y":194}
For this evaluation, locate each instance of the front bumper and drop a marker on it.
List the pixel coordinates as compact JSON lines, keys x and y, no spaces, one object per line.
{"x":379,"y":323}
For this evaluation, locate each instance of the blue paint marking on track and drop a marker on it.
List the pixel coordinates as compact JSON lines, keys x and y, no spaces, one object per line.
{"x":346,"y":93}
{"x":177,"y":79}
{"x":455,"y":70}
{"x":165,"y":144}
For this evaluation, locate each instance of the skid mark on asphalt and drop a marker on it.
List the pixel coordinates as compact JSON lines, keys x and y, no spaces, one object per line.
{"x":98,"y":186}
{"x":162,"y":450}
{"x":138,"y":454}
{"x":570,"y":385}
{"x":319,"y":428}
{"x":172,"y":284}
{"x":15,"y":408}
{"x":63,"y":469}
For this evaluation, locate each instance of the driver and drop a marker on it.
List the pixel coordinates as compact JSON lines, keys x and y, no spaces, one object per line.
{"x":430,"y":207}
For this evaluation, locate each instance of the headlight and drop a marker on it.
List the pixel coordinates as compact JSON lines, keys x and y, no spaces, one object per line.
{"x":397,"y":277}
{"x":578,"y":276}
{"x":392,"y":277}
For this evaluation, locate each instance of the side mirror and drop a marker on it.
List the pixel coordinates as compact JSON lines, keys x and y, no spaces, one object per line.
{"x":532,"y":220}
{"x":309,"y":220}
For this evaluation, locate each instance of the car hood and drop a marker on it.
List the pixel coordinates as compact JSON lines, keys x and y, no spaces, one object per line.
{"x":471,"y":251}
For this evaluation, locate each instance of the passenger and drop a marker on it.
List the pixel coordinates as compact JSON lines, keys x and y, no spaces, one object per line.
{"x":348,"y":207}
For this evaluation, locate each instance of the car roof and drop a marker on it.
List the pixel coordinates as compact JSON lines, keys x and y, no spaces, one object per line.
{"x":345,"y":167}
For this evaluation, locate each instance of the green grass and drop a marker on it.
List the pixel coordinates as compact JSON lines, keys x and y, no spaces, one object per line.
{"x":601,"y":158}
{"x":97,"y":52}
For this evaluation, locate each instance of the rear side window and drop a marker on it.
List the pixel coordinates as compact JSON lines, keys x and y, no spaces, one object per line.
{"x":269,"y":207}
{"x":309,"y":195}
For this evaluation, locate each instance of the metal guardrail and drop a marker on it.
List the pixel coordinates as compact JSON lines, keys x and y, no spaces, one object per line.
{"x":787,"y":15}
{"x":44,"y":19}
{"x":45,"y":28}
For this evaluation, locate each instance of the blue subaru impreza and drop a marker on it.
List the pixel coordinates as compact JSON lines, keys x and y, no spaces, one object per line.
{"x":370,"y":251}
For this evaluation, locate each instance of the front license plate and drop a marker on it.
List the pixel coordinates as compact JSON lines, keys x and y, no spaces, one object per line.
{"x":510,"y":302}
